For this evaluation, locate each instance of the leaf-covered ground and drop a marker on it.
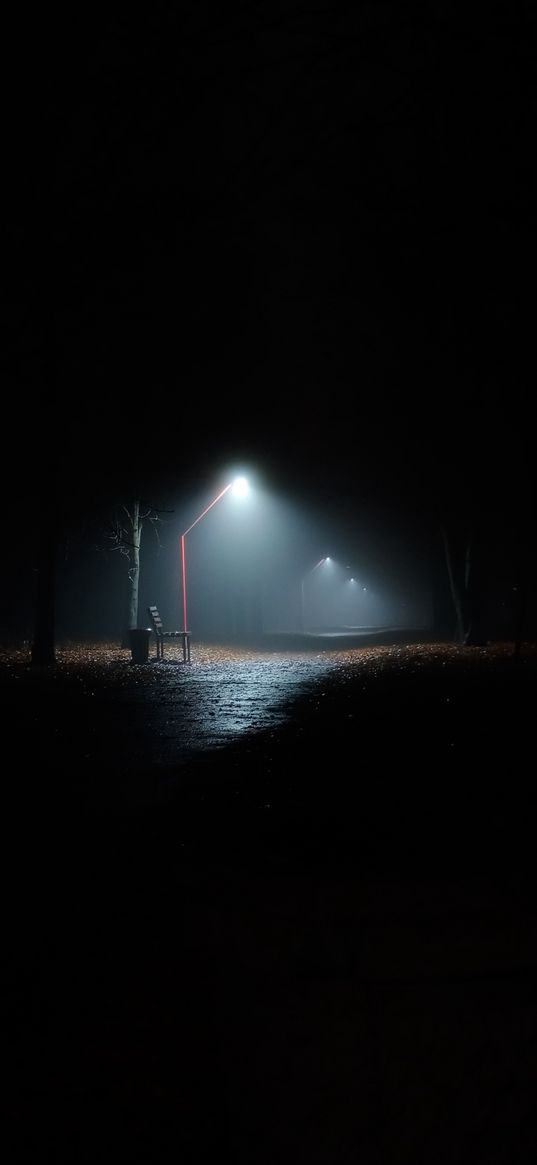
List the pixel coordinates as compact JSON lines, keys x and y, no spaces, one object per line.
{"x":274,"y":906}
{"x":105,"y":721}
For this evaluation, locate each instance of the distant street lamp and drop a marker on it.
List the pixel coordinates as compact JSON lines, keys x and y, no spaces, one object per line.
{"x":302,"y":593}
{"x":240,"y":488}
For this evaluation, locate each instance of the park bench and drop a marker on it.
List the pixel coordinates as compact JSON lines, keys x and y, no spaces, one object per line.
{"x":161,"y":635}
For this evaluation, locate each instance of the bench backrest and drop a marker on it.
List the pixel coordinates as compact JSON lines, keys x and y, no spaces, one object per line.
{"x":155,"y":620}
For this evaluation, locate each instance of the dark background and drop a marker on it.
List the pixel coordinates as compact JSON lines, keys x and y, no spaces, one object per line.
{"x":299,"y":237}
{"x":292,"y":235}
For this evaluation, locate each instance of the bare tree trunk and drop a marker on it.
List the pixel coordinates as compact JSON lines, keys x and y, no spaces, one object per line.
{"x":135,"y":569}
{"x":455,"y":591}
{"x":125,"y":534}
{"x":48,"y":510}
{"x":472,"y":594}
{"x":43,"y":644}
{"x":519,"y":619}
{"x":468,"y":561}
{"x":521,"y":594}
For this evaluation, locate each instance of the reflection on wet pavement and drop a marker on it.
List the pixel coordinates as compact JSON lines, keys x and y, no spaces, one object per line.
{"x":118,"y":729}
{"x":109,"y":726}
{"x":220,"y":697}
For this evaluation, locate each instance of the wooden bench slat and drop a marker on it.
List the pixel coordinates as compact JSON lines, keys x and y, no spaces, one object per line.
{"x":161,"y":635}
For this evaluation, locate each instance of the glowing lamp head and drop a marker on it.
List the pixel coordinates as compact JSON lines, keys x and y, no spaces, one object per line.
{"x":240,"y":487}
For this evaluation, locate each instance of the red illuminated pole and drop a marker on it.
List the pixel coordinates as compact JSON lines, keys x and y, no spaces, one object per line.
{"x":183,"y":536}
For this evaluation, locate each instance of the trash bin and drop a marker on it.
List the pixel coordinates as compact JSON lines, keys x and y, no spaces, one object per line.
{"x":139,"y":644}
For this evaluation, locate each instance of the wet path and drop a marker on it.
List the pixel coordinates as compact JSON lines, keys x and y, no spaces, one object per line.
{"x":214,"y":701}
{"x":115,"y":730}
{"x":106,"y":726}
{"x":321,"y":948}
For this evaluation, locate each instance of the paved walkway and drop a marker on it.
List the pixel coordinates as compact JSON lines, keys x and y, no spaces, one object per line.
{"x":316,"y":942}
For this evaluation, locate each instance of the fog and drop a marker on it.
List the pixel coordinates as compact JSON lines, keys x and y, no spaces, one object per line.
{"x":251,"y":568}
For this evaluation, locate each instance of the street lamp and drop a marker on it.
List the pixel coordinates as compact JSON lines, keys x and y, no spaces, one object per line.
{"x":302,"y":597}
{"x":240,"y":488}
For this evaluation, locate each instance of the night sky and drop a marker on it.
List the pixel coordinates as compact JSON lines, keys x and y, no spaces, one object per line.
{"x":290,"y":235}
{"x":297,"y":238}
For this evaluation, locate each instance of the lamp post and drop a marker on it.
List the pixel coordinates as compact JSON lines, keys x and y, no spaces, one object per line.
{"x":239,"y":487}
{"x":302,"y":596}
